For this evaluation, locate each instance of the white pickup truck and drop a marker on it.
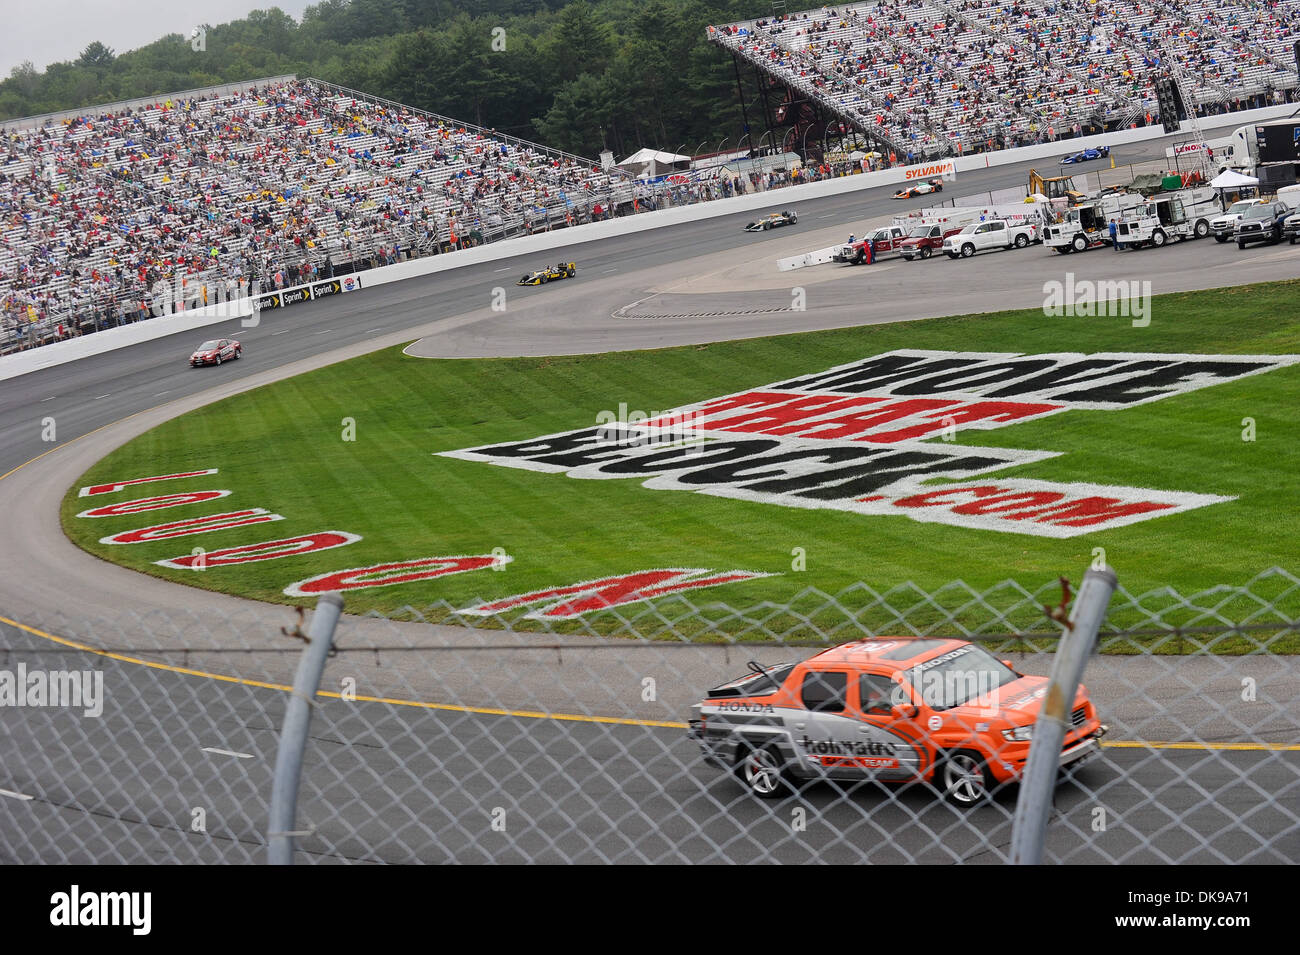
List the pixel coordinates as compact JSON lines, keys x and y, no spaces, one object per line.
{"x":983,"y":236}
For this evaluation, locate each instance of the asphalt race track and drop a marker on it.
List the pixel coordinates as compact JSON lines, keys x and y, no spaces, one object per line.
{"x":648,"y":290}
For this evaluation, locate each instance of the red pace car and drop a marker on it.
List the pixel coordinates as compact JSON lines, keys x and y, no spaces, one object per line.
{"x":946,"y":713}
{"x":215,"y":351}
{"x":920,"y":189}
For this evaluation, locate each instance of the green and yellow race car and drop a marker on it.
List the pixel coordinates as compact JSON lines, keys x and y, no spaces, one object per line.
{"x":565,"y":270}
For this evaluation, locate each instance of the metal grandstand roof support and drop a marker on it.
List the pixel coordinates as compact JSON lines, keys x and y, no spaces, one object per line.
{"x":740,"y":94}
{"x":764,"y":91}
{"x":816,"y":96}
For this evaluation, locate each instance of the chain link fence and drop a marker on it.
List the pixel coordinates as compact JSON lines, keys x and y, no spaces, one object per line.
{"x":142,"y":739}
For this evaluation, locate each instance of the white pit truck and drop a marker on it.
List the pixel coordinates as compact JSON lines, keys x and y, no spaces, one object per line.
{"x":1087,"y":225}
{"x":1173,"y":216}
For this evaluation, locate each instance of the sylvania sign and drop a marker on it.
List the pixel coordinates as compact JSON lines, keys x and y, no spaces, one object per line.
{"x":946,"y":169}
{"x":869,"y":438}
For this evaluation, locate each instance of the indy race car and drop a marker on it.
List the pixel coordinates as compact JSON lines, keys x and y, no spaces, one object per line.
{"x":939,"y":712}
{"x":215,"y":351}
{"x":1086,"y":155}
{"x":565,"y":270}
{"x":771,"y":221}
{"x":920,"y":189}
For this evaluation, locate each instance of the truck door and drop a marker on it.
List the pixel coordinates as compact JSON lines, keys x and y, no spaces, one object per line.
{"x":824,"y":730}
{"x":885,"y":745}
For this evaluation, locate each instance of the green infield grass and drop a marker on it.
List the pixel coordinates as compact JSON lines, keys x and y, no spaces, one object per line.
{"x":283,"y":448}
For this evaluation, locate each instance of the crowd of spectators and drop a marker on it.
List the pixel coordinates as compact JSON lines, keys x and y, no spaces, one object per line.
{"x":943,"y":77}
{"x":104,"y":213}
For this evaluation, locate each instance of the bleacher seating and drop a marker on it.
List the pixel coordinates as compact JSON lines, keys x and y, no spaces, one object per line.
{"x":267,"y":185}
{"x":932,"y":77}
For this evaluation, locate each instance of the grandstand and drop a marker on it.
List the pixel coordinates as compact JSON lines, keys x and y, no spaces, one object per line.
{"x":273,"y":182}
{"x":942,"y":77}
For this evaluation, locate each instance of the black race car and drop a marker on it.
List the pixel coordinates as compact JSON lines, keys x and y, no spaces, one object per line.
{"x":565,"y":270}
{"x":771,"y":221}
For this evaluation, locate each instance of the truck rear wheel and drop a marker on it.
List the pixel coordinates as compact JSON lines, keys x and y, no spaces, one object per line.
{"x":1022,"y":240}
{"x":761,"y":769}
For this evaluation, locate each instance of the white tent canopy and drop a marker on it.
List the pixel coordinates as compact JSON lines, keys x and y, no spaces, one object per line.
{"x":1231,"y":179}
{"x":652,"y":163}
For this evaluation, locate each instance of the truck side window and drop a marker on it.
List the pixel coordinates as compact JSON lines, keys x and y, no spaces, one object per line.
{"x":825,"y":691}
{"x":876,"y":694}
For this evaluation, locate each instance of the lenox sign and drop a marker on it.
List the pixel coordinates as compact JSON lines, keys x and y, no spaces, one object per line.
{"x":867,"y":437}
{"x":946,"y":169}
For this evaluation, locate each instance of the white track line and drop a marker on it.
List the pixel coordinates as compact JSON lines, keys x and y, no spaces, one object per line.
{"x":226,"y":752}
{"x":50,"y":398}
{"x":14,"y":795}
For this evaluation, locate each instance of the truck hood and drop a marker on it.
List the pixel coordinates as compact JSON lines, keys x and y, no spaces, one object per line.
{"x":1018,"y":702}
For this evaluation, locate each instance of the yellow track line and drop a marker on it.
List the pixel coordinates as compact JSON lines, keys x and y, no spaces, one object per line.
{"x":489,"y":711}
{"x":1256,"y":747}
{"x":569,"y":717}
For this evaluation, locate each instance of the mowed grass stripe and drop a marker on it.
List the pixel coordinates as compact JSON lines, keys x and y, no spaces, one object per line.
{"x":281,"y":447}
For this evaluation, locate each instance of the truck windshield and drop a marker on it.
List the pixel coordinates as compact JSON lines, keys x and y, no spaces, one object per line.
{"x":1258,"y":212}
{"x":958,"y":677}
{"x":920,"y":232}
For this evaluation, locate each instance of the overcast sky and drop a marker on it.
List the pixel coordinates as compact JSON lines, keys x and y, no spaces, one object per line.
{"x":47,"y":31}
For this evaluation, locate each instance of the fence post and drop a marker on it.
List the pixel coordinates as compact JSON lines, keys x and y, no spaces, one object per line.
{"x":1039,"y":783}
{"x":293,"y":735}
